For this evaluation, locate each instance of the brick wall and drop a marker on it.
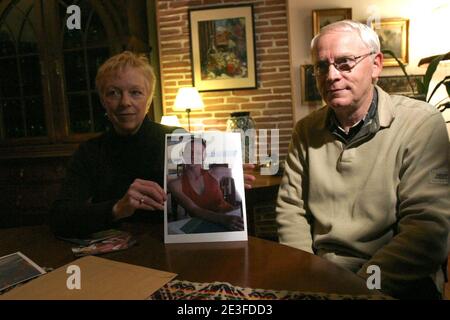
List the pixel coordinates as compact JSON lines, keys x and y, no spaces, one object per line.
{"x":270,"y":104}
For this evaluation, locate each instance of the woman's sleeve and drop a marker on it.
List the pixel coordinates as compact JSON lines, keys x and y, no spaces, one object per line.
{"x":72,"y":214}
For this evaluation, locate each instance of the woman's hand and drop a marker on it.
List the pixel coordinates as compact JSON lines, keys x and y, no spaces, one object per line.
{"x":142,"y":194}
{"x":233,"y":223}
{"x":248,"y":177}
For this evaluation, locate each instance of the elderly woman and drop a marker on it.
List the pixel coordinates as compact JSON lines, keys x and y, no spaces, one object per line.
{"x":118,"y":174}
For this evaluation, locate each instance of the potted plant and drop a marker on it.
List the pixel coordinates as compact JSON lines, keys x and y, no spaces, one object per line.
{"x":424,"y":87}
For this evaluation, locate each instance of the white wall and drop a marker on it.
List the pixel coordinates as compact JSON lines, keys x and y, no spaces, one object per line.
{"x":425,"y":17}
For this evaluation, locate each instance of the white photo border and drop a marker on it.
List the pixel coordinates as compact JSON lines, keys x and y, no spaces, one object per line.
{"x":232,"y":142}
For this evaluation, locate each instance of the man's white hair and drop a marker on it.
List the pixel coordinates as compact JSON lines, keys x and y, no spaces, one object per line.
{"x":367,"y":34}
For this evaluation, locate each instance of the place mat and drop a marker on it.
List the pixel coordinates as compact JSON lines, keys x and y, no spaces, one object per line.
{"x":186,"y":290}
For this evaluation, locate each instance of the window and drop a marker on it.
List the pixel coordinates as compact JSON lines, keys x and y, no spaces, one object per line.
{"x":47,"y":83}
{"x":83,"y":52}
{"x":21,"y":100}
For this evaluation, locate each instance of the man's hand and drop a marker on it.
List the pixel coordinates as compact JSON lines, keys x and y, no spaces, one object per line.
{"x":249,"y":178}
{"x":142,"y":194}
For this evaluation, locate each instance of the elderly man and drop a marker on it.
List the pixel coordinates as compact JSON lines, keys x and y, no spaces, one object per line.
{"x":366,"y":179}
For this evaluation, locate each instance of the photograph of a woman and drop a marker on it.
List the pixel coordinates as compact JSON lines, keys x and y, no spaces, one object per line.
{"x":203,"y":197}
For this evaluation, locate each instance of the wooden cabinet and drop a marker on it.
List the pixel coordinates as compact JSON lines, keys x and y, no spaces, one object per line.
{"x":48,"y":101}
{"x":260,"y":205}
{"x":27,"y":188}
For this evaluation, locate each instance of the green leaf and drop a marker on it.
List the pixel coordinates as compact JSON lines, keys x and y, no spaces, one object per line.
{"x":430,"y":72}
{"x":401,"y":65}
{"x":445,"y":81}
{"x":420,"y":87}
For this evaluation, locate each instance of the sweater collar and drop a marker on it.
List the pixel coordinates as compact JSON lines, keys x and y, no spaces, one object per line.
{"x":384,"y":110}
{"x":138,"y":136}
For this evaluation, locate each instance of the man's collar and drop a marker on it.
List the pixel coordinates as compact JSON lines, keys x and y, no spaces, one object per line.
{"x":386,"y":111}
{"x":333,"y":123}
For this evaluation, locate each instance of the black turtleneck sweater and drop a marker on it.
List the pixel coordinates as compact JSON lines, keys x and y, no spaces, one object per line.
{"x":100,"y":173}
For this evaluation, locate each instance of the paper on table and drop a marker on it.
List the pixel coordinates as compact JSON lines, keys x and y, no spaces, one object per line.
{"x":101,"y":279}
{"x":96,"y":237}
{"x":16,"y":268}
{"x":109,"y":245}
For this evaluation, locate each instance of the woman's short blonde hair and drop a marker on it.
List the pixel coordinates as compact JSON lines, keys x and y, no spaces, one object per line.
{"x":118,"y":63}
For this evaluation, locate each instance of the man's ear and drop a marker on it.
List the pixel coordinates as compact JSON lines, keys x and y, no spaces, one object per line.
{"x":377,"y":65}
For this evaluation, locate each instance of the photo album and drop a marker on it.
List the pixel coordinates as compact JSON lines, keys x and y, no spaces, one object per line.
{"x":205,"y":186}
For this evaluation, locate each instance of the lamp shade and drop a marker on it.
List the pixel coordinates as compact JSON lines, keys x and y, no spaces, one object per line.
{"x":170,"y":121}
{"x":188,"y":98}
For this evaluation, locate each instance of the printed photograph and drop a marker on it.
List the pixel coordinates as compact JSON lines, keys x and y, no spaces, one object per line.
{"x":204,"y":184}
{"x":17,"y":268}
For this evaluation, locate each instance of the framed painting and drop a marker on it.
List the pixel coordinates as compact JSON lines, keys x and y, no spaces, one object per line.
{"x":310,"y":92}
{"x":323,"y":17}
{"x":393,"y":34}
{"x":399,"y":84}
{"x":223,"y":47}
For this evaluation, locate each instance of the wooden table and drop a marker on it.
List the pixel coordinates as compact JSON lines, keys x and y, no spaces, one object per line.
{"x":257,"y":263}
{"x":265,"y":181}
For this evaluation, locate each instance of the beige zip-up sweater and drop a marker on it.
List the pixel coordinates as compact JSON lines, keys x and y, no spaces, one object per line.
{"x":381,"y":200}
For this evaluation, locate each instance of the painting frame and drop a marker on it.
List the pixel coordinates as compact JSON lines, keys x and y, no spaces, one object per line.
{"x":319,"y":15}
{"x":225,"y":57}
{"x":309,"y":92}
{"x":398,"y":84}
{"x":400,"y":45}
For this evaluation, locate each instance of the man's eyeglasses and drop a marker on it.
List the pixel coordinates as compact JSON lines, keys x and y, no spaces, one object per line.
{"x":342,"y":64}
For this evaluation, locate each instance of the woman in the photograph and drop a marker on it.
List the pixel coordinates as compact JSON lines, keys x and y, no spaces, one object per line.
{"x":199,"y":191}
